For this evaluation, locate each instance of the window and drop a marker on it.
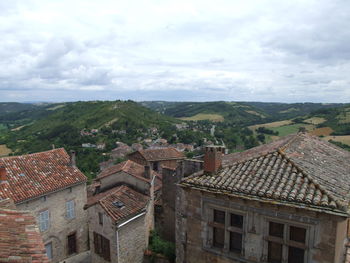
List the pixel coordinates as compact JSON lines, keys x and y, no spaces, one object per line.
{"x":155,"y":166}
{"x":72,"y":244}
{"x":70,"y":211}
{"x":44,"y":220}
{"x":100,"y":218}
{"x":102,"y":247}
{"x":286,"y":242}
{"x":48,"y":248}
{"x":227,"y":231}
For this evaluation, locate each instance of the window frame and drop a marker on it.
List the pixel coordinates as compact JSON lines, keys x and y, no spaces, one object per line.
{"x":75,"y":244}
{"x":44,"y":221}
{"x":49,"y":244}
{"x":227,"y":230}
{"x":102,"y":246}
{"x":100,"y":218}
{"x":285,"y":240}
{"x":70,"y":209}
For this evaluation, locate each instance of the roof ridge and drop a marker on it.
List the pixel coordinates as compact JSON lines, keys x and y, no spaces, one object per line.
{"x":314,"y":181}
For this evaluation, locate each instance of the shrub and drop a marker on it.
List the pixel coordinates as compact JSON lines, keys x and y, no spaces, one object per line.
{"x":160,"y":246}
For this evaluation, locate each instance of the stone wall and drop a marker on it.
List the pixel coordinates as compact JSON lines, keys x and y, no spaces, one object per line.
{"x":133,"y":237}
{"x":107,"y":229}
{"x":60,"y":226}
{"x":133,"y":241}
{"x":124,"y":178}
{"x":170,"y":178}
{"x":326,"y":233}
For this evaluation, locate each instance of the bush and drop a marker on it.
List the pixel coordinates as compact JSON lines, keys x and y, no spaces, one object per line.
{"x":160,"y":246}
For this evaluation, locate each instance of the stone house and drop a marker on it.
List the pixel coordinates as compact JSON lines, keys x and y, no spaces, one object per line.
{"x":156,"y":158}
{"x":287,"y":202}
{"x":49,"y":185}
{"x":117,"y":225}
{"x":20,"y":239}
{"x":121,"y":212}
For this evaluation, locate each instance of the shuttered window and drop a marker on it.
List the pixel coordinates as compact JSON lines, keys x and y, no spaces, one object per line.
{"x":44,"y":220}
{"x":102,"y":246}
{"x":70,"y":209}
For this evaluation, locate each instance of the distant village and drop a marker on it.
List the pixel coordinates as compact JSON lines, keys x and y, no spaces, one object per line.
{"x":287,"y":201}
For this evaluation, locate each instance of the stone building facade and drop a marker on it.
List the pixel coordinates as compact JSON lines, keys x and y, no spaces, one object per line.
{"x":50,"y":186}
{"x":170,"y":178}
{"x":124,"y":226}
{"x":157,"y":158}
{"x":121,"y":212}
{"x":286,"y":202}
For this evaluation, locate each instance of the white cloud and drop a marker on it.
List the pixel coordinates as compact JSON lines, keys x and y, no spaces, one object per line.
{"x":293,"y":50}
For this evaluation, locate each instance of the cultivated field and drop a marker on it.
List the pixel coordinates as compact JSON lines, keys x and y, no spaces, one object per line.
{"x":4,"y":151}
{"x":202,"y":116}
{"x":293,"y":128}
{"x":315,"y":120}
{"x":255,"y":113}
{"x":271,"y":124}
{"x":342,"y":138}
{"x":325,"y":131}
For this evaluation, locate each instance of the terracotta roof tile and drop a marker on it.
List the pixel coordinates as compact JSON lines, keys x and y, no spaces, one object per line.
{"x":161,"y":154}
{"x":132,"y":168}
{"x":36,"y":174}
{"x":300,"y":170}
{"x":131,"y":201}
{"x":20,"y":240}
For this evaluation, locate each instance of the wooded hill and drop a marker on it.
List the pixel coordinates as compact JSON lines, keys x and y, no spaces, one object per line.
{"x":27,"y":128}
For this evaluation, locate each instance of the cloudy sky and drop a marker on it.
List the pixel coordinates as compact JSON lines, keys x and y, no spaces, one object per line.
{"x":252,"y":50}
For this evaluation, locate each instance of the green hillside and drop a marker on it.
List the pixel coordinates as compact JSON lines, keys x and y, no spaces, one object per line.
{"x":112,"y":121}
{"x":233,"y":112}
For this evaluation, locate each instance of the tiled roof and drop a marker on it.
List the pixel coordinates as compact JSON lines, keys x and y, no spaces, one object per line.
{"x":161,"y":154}
{"x":299,"y":170}
{"x":36,"y":174}
{"x":132,"y":202}
{"x":132,"y":168}
{"x":20,"y":240}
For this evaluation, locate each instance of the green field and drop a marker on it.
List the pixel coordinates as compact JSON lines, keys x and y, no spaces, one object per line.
{"x":202,"y":116}
{"x":288,"y":129}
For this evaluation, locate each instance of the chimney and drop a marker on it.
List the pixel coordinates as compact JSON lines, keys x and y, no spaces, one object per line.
{"x":147,"y":173}
{"x":72,"y":159}
{"x":213,"y":158}
{"x":3,"y":175}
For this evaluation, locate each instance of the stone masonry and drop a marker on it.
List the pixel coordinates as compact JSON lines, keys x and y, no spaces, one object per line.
{"x":60,"y":226}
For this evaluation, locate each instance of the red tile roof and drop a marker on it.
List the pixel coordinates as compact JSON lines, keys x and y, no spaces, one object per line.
{"x":20,"y":240}
{"x":133,"y":202}
{"x":132,"y":168}
{"x":161,"y":154}
{"x":299,"y":170}
{"x":36,"y":174}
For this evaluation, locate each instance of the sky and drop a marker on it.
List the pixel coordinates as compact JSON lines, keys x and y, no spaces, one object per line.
{"x":181,"y":50}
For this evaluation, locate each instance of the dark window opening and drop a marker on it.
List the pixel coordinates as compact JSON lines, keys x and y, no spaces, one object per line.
{"x":237,"y":221}
{"x":102,"y":246}
{"x":295,"y":255}
{"x":100,"y":218}
{"x":274,"y":252}
{"x":155,"y":166}
{"x":235,"y":242}
{"x":297,"y":234}
{"x":218,"y":237}
{"x":276,"y":229}
{"x":219,"y":216}
{"x":72,"y":244}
